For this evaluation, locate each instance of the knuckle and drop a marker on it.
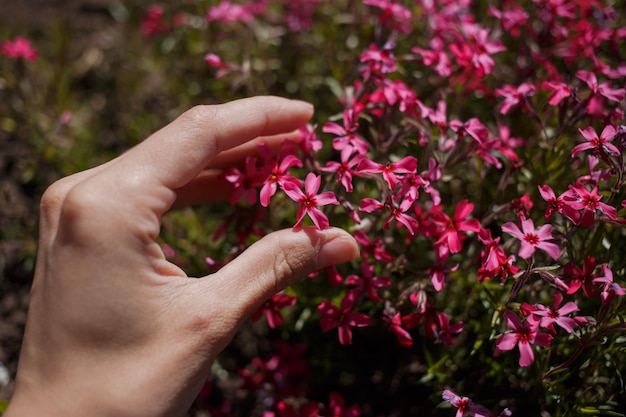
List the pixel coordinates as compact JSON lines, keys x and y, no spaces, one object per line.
{"x":198,"y":116}
{"x":80,"y":214}
{"x":52,"y":199}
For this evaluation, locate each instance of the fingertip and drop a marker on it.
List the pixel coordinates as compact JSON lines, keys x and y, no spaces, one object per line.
{"x":338,"y":248}
{"x":304,"y":106}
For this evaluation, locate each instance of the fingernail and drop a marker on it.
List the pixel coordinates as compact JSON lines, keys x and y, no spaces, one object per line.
{"x":340,"y":249}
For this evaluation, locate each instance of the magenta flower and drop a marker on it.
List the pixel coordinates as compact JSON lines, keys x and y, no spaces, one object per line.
{"x":453,"y":233}
{"x":392,"y":14}
{"x":406,"y":165}
{"x":515,"y":95}
{"x":368,"y":283}
{"x":279,"y":175}
{"x":342,"y":318}
{"x":589,"y":202}
{"x":346,"y":168}
{"x":394,"y":321}
{"x":18,"y":48}
{"x":549,"y":316}
{"x":437,"y":57}
{"x":473,"y":127}
{"x":374,"y":247}
{"x":310,"y":201}
{"x":348,"y":133}
{"x":558,"y":204}
{"x":398,"y":212}
{"x":532,"y":239}
{"x":438,"y":274}
{"x":380,"y":61}
{"x":444,"y":332}
{"x":476,"y":51}
{"x":610,"y":287}
{"x":604,"y":89}
{"x":559,"y":92}
{"x":227,"y":12}
{"x":337,"y":407}
{"x":244,"y":182}
{"x":597,"y":144}
{"x":512,"y":20}
{"x":465,"y":405}
{"x":153,"y":22}
{"x":214,"y":60}
{"x":582,"y":277}
{"x":271,"y":309}
{"x":523,"y":334}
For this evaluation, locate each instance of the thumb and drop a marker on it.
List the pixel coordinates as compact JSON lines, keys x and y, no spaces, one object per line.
{"x":275,"y":262}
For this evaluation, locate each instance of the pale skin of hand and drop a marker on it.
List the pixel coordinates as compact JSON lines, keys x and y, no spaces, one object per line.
{"x":113,"y":328}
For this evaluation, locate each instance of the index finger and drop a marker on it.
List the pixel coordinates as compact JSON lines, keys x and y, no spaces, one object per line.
{"x":130,"y":195}
{"x":174,"y":155}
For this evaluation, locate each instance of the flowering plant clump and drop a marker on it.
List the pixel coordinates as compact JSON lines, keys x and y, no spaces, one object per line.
{"x":476,"y":153}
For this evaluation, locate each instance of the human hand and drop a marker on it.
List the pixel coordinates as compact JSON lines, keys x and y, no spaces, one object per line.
{"x":113,"y":328}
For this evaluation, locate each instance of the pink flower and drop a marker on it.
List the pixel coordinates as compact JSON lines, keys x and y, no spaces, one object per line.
{"x":374,"y":247}
{"x":227,"y":12}
{"x":398,"y":212}
{"x":465,"y":405}
{"x":610,"y":288}
{"x":559,"y":92}
{"x":343,"y":317}
{"x":581,"y":277}
{"x":406,"y":165}
{"x":506,"y":143}
{"x":394,"y":321}
{"x":515,"y":95}
{"x":445,"y":331}
{"x":532,"y":239}
{"x":271,"y":309}
{"x":346,"y":168}
{"x":475,"y":51}
{"x":368,"y":283}
{"x":436,"y":57}
{"x":473,"y":127}
{"x":452,"y":235}
{"x":310,"y":200}
{"x":153,"y":22}
{"x":603,"y":89}
{"x":589,"y":201}
{"x":244,"y":182}
{"x":337,"y":407}
{"x":18,"y":48}
{"x":278,"y":174}
{"x":379,"y":61}
{"x":597,"y":144}
{"x":558,"y":204}
{"x":348,"y":133}
{"x":511,"y":20}
{"x":392,"y":14}
{"x":438,"y":274}
{"x":214,"y":60}
{"x":284,"y":409}
{"x":299,"y":14}
{"x":523,"y":334}
{"x":548,"y":316}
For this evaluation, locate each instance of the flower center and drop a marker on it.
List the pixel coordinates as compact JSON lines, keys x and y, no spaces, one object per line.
{"x":309,"y":201}
{"x":531,"y":238}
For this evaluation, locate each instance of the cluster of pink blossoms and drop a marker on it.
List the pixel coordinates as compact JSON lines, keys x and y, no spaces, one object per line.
{"x":18,"y":48}
{"x":401,"y":151}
